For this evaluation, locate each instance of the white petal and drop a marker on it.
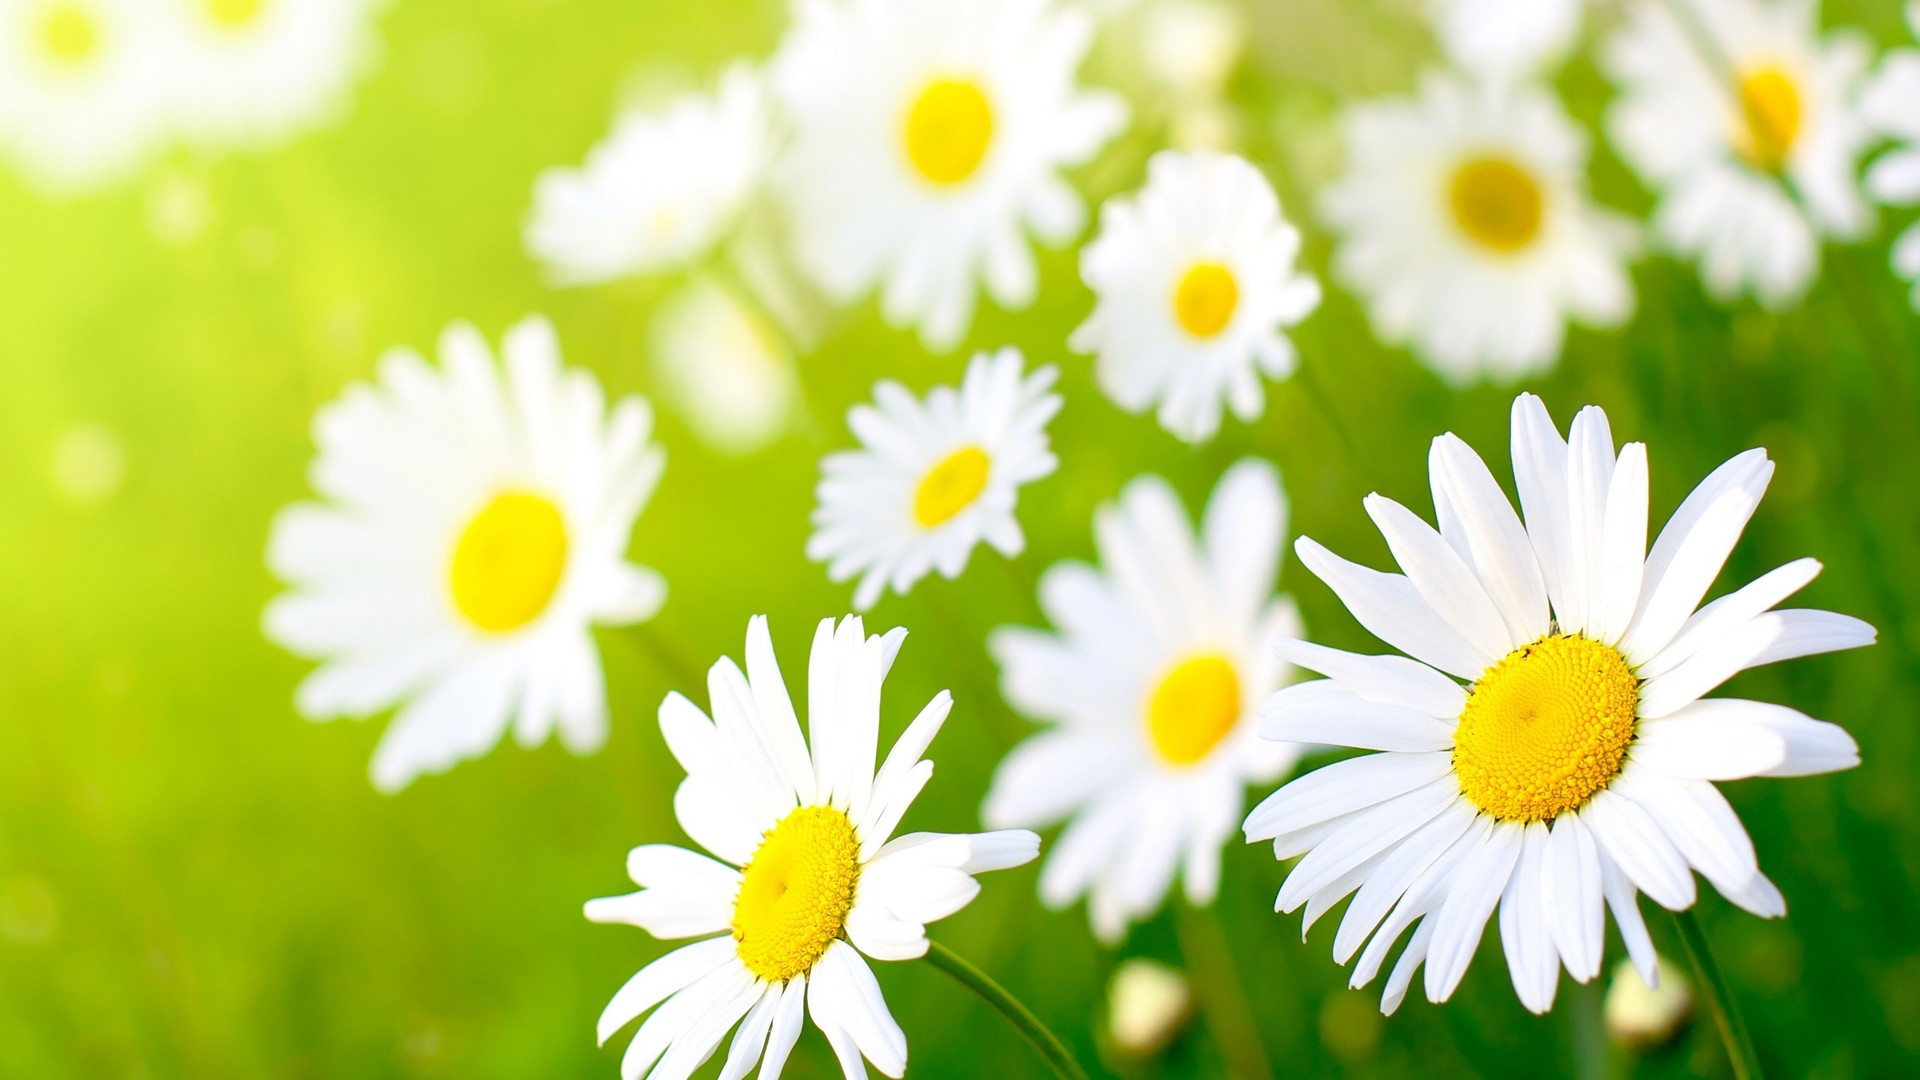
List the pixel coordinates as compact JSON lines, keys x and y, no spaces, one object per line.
{"x":1692,"y":548}
{"x":1468,"y":500}
{"x":1442,"y":578}
{"x":1637,"y":845}
{"x":774,"y":708}
{"x":1623,"y":547}
{"x":1392,"y":610}
{"x":661,"y":979}
{"x":1462,"y":919}
{"x":1341,"y":788}
{"x":1572,"y":896}
{"x":1390,"y":680}
{"x":845,"y":994}
{"x":1318,"y":712}
{"x":1532,"y":959}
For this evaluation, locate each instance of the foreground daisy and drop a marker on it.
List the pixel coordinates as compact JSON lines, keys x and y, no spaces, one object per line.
{"x":1193,"y":280}
{"x":1892,"y":105}
{"x":807,"y":875}
{"x":474,"y":529}
{"x":1505,"y":38}
{"x":81,"y":89}
{"x":928,"y":140}
{"x":1152,"y":681}
{"x":1464,"y":220}
{"x":1574,"y":767}
{"x":933,"y":478}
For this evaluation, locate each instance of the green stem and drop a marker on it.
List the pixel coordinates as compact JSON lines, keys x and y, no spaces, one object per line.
{"x":1045,"y":1042}
{"x":1719,"y":997}
{"x":1222,"y":996}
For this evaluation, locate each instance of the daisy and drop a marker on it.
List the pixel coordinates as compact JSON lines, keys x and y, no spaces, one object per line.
{"x":80,"y":83}
{"x":1892,"y":105}
{"x":807,"y":876}
{"x":928,"y":139}
{"x":1464,"y":219}
{"x":933,"y":478}
{"x":1499,"y":38}
{"x":724,"y":367}
{"x":1744,"y":120}
{"x":1151,"y":683}
{"x":1574,"y":767}
{"x":1193,"y":279}
{"x":473,"y":529}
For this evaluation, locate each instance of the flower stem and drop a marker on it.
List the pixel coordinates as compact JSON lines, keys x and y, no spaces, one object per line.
{"x":1222,"y":995}
{"x":1045,"y":1042}
{"x":1713,"y":987}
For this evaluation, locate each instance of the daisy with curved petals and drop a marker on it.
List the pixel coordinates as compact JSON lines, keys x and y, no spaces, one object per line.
{"x":1464,"y":220}
{"x":933,"y":478}
{"x":474,"y":529}
{"x":80,"y":89}
{"x":807,"y":879}
{"x":928,"y":138}
{"x":1152,"y":682}
{"x":1193,"y":279}
{"x":1574,"y":769}
{"x":1892,"y":105}
{"x":1501,"y":38}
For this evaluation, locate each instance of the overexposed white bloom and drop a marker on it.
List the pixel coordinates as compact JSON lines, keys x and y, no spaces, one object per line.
{"x":473,"y":529}
{"x":1147,"y":1004}
{"x":1643,"y":1016}
{"x":724,"y":369}
{"x":933,"y":478}
{"x":1892,"y":105}
{"x":1464,"y":221}
{"x":928,"y":141}
{"x":1753,"y":151}
{"x":1506,"y":38}
{"x":81,"y":90}
{"x":1194,"y":279}
{"x":1189,"y":48}
{"x":1151,"y":683}
{"x":806,"y":874}
{"x":1575,"y":768}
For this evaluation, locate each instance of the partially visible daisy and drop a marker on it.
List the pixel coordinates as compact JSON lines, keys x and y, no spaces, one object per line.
{"x":1506,"y":38}
{"x":726,"y":370}
{"x":1753,"y":146}
{"x":1152,"y":681}
{"x":1892,"y":105}
{"x":933,"y":478}
{"x":1194,"y":279}
{"x":473,"y":529}
{"x":1574,"y":768}
{"x":1464,"y":219}
{"x":928,"y":140}
{"x":807,"y":878}
{"x":81,"y":89}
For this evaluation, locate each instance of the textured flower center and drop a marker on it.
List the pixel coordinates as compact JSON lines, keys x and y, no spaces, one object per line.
{"x":1194,"y":707}
{"x":509,"y":561}
{"x":1545,"y":728}
{"x":69,"y":34}
{"x":951,"y":486}
{"x":948,"y":130}
{"x":795,"y":893}
{"x":1205,"y":299}
{"x":1496,"y":203}
{"x":235,"y":14}
{"x":1771,"y":113}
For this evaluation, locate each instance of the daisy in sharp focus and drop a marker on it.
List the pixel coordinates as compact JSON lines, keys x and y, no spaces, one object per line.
{"x":1151,"y":681}
{"x":928,"y":138}
{"x":81,"y":86}
{"x":1194,"y":279}
{"x":1574,"y":768}
{"x":1892,"y":105}
{"x":933,"y":478}
{"x":1505,"y":38}
{"x":807,"y":878}
{"x":1465,"y":223}
{"x":473,"y":529}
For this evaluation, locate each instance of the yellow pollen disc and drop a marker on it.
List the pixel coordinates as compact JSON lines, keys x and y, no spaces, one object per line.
{"x":948,"y":130}
{"x":69,"y":34}
{"x":509,"y":561}
{"x":1545,"y":728}
{"x":1497,"y":204}
{"x":1770,"y":114}
{"x":951,"y":486}
{"x":1195,"y":706}
{"x":234,"y":14}
{"x":1205,"y":299}
{"x":795,"y":893}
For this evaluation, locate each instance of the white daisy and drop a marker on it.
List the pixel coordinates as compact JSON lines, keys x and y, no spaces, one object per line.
{"x":928,"y":138}
{"x":933,"y":478}
{"x":657,"y":193}
{"x":1892,"y":105}
{"x":473,"y":530}
{"x":1575,"y":767}
{"x":725,"y":369}
{"x":80,"y":89}
{"x":1504,"y":38}
{"x":808,"y":876}
{"x":1152,"y":682}
{"x":1464,"y":219}
{"x":1193,"y":279}
{"x":1751,"y":136}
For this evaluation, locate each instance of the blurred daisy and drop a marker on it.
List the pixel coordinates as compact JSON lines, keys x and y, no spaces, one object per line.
{"x":807,"y":876}
{"x":1152,"y":683}
{"x":1504,"y":38}
{"x":659,"y":192}
{"x":1892,"y":105}
{"x":1464,"y":219}
{"x":933,"y":478}
{"x":80,"y":89}
{"x":1575,"y":767}
{"x":1193,"y":279}
{"x":723,"y":367}
{"x":928,"y":139}
{"x":1750,"y":172}
{"x":474,"y":529}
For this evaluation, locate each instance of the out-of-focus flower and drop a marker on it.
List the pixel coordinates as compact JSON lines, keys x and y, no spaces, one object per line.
{"x":808,"y":876}
{"x":1576,"y":766}
{"x":474,"y":529}
{"x":1643,"y":1016}
{"x":928,"y":139}
{"x":723,"y":368}
{"x":1189,"y":48}
{"x":1464,"y":219}
{"x":1892,"y":105}
{"x":1151,"y":682}
{"x":82,"y":89}
{"x":89,"y":464}
{"x":1506,"y":38}
{"x":933,"y":478}
{"x":1147,"y":1005}
{"x":1194,"y":278}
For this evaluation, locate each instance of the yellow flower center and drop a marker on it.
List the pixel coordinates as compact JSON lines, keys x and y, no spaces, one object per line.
{"x":509,"y":561}
{"x":795,"y":893}
{"x":69,"y":34}
{"x":1497,"y":204}
{"x":235,"y":14}
{"x":1545,"y":728}
{"x":1205,"y":299}
{"x":1195,"y":706}
{"x":1770,"y":112}
{"x":951,"y":486}
{"x":948,"y":130}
